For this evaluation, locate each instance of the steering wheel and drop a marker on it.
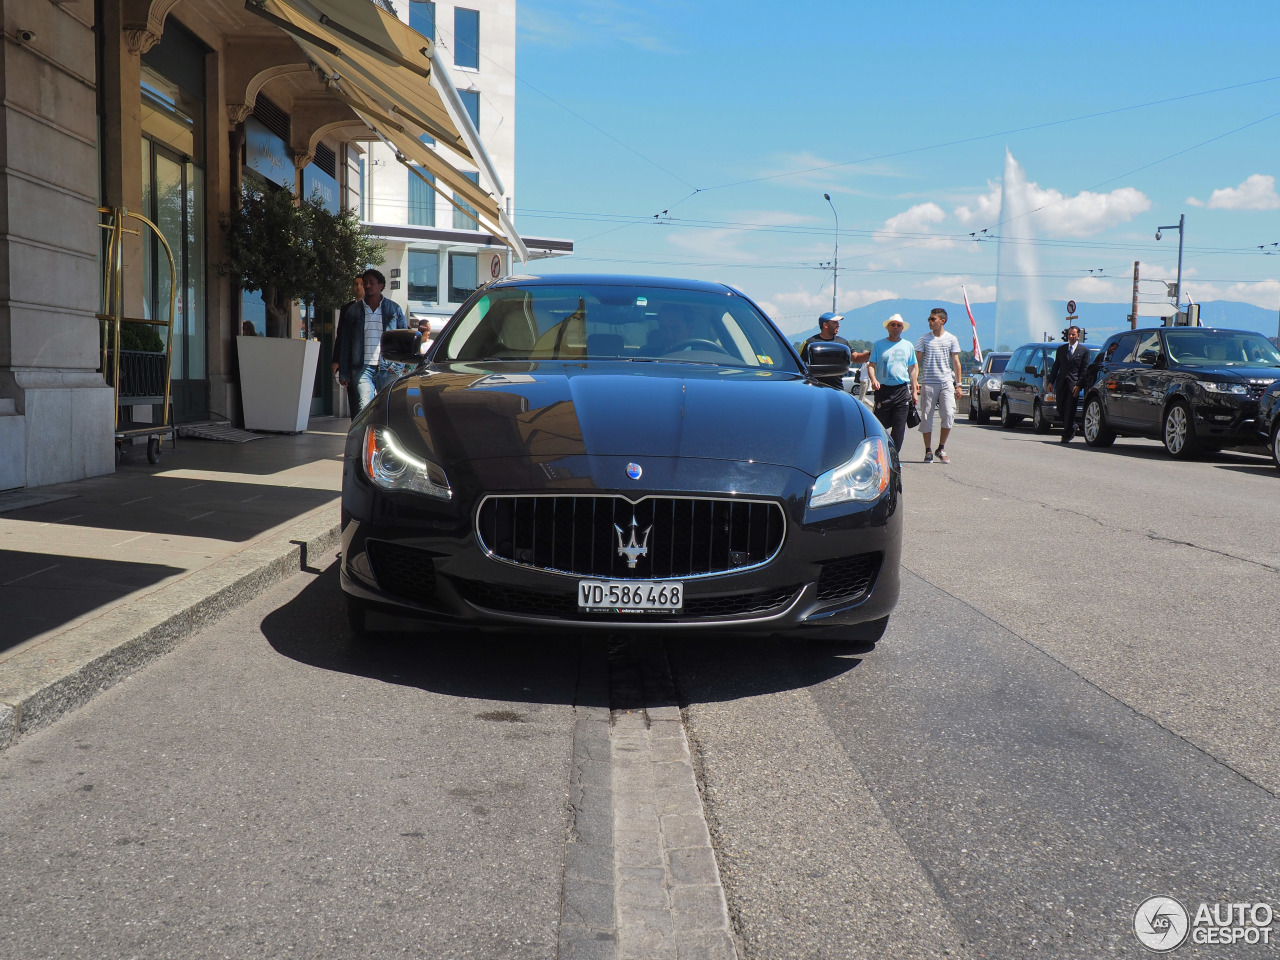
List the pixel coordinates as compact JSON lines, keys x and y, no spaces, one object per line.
{"x":696,"y":344}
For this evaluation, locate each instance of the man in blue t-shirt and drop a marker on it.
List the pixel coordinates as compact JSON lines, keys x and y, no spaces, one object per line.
{"x":893,"y":378}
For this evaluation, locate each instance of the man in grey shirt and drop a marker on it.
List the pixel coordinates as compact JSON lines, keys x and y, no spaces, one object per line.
{"x":938,"y":357}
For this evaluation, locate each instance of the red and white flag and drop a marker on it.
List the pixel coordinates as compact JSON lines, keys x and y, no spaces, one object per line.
{"x":977,"y":350}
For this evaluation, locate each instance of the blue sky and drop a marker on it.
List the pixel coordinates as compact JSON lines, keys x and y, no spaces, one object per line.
{"x":735,"y":118}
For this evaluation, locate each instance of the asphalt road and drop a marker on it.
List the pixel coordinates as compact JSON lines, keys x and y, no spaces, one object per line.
{"x":1073,"y":709}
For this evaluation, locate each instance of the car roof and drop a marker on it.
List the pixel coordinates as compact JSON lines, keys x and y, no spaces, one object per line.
{"x":1120,"y":333}
{"x":611,"y":280}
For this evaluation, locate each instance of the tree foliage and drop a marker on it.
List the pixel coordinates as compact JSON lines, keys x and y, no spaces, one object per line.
{"x":291,"y":250}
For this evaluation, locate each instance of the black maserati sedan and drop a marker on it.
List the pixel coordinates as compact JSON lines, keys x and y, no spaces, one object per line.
{"x":621,"y":453}
{"x":1195,"y":388}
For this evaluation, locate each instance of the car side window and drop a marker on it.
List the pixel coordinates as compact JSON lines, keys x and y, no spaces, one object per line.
{"x":1017,"y":362}
{"x":1125,"y":348}
{"x":1109,"y":352}
{"x":1046,"y":360}
{"x":1148,"y":350}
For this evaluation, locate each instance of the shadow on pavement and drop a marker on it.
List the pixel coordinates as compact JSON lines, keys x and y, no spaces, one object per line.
{"x":527,"y":666}
{"x":43,"y":591}
{"x":262,"y":457}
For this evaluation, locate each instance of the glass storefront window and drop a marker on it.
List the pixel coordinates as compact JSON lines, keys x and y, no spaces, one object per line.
{"x":462,"y":276}
{"x":424,"y":276}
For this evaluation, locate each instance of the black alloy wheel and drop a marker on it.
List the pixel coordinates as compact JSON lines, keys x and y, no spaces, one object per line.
{"x":1096,"y":431}
{"x":1179,"y":433}
{"x":1039,"y":422}
{"x":1007,"y":419}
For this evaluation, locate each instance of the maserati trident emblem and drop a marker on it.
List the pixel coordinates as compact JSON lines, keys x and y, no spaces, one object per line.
{"x":633,"y":551}
{"x":634,"y":471}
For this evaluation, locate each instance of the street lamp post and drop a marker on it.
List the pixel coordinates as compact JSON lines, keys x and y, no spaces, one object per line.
{"x":1182,"y":221}
{"x":835,"y":264}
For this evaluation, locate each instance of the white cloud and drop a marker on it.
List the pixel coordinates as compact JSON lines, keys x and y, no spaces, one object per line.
{"x":908,"y":226}
{"x":1086,"y":213}
{"x":1265,"y":294}
{"x":948,"y":288}
{"x":915,"y":220}
{"x":1057,"y":214}
{"x":719,"y":242}
{"x":1098,"y":290}
{"x":986,"y":209}
{"x":1257,"y":192}
{"x":591,"y":22}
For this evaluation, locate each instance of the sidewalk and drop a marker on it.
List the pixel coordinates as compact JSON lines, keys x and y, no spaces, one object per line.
{"x":98,"y":577}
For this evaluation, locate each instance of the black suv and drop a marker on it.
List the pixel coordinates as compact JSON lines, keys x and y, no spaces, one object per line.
{"x":1026,"y":390}
{"x":1192,"y":387}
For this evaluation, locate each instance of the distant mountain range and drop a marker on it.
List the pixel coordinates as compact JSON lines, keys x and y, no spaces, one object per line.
{"x":1099,"y":320}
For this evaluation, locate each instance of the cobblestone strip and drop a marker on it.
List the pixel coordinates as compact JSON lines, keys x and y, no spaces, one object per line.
{"x":669,"y":901}
{"x":587,"y":915}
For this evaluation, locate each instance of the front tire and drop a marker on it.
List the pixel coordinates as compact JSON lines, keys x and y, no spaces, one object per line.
{"x":1275,"y":443}
{"x":973,"y":411}
{"x":1039,"y":422}
{"x":1179,"y":432}
{"x":1096,"y":431}
{"x":1007,"y":419}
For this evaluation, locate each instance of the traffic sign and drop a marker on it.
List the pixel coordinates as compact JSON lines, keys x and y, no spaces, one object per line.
{"x":1071,"y":306}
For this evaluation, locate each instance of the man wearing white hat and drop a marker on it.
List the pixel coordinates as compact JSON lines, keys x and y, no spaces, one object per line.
{"x":893,"y":371}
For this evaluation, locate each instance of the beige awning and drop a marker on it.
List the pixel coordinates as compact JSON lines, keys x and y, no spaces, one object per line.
{"x":387,"y":73}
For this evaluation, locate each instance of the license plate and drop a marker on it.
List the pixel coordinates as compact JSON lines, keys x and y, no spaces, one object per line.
{"x":628,"y":596}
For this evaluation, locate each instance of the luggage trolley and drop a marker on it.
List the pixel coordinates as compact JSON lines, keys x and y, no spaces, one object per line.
{"x":139,"y":377}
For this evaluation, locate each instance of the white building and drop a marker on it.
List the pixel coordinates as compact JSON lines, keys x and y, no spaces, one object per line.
{"x":436,"y":253}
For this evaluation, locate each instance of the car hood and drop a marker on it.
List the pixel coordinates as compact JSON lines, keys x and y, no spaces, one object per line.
{"x":550,"y":411}
{"x":1232,"y":374}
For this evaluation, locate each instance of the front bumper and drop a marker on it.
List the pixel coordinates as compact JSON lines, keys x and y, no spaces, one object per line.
{"x":410,"y":556}
{"x":1227,"y":421}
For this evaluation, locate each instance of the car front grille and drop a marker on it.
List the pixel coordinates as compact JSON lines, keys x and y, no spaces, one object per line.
{"x":849,"y":579}
{"x":612,"y":538}
{"x":402,"y":571}
{"x":564,"y":605}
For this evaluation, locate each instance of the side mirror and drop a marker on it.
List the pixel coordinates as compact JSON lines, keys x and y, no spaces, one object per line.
{"x":828,"y":359}
{"x":401,"y":346}
{"x":1030,"y":369}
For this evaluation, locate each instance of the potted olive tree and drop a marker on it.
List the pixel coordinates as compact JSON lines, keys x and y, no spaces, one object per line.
{"x":290,"y":250}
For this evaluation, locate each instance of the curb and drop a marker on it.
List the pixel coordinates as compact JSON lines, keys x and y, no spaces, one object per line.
{"x":64,"y":673}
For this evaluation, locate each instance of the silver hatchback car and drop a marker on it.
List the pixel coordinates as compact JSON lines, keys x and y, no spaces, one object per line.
{"x":985,"y":385}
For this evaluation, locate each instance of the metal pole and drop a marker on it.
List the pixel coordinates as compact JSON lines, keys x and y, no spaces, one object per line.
{"x":835,"y":263}
{"x":1133,"y":315}
{"x":1182,"y":221}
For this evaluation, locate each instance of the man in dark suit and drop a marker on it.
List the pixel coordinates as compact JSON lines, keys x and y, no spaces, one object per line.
{"x":1067,"y":376}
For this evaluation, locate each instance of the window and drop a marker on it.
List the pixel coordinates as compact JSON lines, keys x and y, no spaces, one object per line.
{"x":466,"y":38}
{"x":422,"y":199}
{"x":1125,"y":348}
{"x":1148,"y":351}
{"x":422,"y":17}
{"x":424,"y":276}
{"x":1018,"y":361}
{"x":471,"y":101}
{"x":462,"y":276}
{"x":466,"y":221}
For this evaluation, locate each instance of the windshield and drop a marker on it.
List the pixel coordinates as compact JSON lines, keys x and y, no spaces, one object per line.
{"x":603,"y":322}
{"x":1221,"y":348}
{"x":998,"y":364}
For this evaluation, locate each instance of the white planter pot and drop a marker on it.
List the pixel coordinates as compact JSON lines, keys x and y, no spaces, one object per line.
{"x":277,"y":377}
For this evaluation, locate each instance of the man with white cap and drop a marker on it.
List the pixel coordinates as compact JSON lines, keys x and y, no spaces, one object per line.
{"x":894,"y":379}
{"x":828,"y":330}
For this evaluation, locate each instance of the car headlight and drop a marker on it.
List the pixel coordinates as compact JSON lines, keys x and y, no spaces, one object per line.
{"x":864,"y":476}
{"x":993,"y":383}
{"x":1212,"y":386}
{"x":390,"y":466}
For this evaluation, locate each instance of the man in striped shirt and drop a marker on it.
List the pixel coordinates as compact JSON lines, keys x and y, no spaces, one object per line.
{"x":938,"y":358}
